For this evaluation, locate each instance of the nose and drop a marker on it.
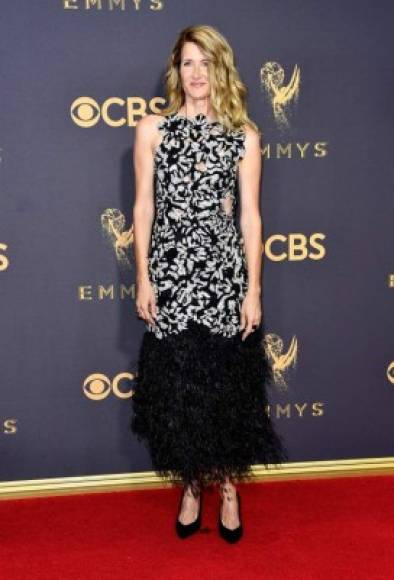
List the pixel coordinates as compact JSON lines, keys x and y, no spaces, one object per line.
{"x":197,"y":72}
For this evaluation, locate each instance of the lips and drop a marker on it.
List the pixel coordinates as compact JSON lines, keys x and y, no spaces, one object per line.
{"x":197,"y":84}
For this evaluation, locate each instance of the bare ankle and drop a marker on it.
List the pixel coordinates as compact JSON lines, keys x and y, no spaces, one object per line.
{"x":228,"y":490}
{"x":192,"y":489}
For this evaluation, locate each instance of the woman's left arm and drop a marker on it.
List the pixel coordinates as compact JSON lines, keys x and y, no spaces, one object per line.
{"x":250,"y":169}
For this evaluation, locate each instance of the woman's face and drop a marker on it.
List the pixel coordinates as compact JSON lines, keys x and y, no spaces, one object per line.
{"x":194,"y":72}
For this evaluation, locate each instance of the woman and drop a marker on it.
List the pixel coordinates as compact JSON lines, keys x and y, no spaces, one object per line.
{"x":199,"y":402}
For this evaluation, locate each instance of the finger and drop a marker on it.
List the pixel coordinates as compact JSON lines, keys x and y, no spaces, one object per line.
{"x":154,"y":309}
{"x":142,"y":313}
{"x":249,"y":329}
{"x":149,"y":316}
{"x":246,"y":325}
{"x":253,"y":324}
{"x":243,"y":320}
{"x":245,"y":334}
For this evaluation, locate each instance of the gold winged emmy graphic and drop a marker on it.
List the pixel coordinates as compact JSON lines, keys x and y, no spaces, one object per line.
{"x":113,"y":225}
{"x":272,"y":78}
{"x":280,"y":361}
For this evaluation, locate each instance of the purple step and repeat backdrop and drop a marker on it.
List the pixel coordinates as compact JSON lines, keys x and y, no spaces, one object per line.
{"x":76,"y":76}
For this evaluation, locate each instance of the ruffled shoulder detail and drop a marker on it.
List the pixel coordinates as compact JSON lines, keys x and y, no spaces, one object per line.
{"x":239,"y":140}
{"x":178,"y":121}
{"x":175,"y":120}
{"x":166,"y":123}
{"x":179,"y":126}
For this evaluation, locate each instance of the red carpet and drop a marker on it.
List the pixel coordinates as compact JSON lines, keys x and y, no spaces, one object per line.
{"x":340,"y":528}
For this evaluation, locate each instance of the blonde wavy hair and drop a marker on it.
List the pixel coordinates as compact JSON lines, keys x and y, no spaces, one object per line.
{"x":228,"y":92}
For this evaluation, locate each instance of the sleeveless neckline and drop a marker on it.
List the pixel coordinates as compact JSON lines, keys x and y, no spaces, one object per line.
{"x":199,"y":118}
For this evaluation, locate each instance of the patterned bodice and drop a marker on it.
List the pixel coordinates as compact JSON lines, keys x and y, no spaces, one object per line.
{"x":186,"y":144}
{"x":196,"y":259}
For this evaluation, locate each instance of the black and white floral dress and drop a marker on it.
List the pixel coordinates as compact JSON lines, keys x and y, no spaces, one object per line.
{"x":200,"y":400}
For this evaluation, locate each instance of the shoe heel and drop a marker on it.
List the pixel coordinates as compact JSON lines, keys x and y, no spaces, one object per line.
{"x":230,"y":536}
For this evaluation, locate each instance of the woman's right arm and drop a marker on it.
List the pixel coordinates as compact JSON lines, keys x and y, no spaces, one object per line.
{"x":143,"y":214}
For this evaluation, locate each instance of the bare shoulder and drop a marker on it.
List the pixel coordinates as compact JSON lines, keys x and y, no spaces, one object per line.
{"x":149,"y":123}
{"x":147,"y":132}
{"x":252,"y":142}
{"x":251,"y":135}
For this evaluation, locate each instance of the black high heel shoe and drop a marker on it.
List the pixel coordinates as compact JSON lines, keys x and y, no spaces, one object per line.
{"x":231,"y":536}
{"x":186,"y":530}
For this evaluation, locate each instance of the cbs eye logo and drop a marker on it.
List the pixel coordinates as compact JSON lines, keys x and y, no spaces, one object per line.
{"x":115,"y":112}
{"x":390,"y":372}
{"x":85,"y":112}
{"x":97,"y":386}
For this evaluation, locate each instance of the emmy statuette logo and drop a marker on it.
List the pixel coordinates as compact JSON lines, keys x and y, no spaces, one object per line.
{"x":272,"y":77}
{"x":280,"y":360}
{"x":121,"y":239}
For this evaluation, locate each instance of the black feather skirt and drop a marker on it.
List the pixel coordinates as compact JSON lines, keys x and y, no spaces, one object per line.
{"x":199,"y":404}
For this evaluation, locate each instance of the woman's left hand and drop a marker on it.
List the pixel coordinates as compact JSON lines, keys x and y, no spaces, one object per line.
{"x":251,"y":312}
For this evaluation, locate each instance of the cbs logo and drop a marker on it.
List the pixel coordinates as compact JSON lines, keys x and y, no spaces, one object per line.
{"x":4,"y":261}
{"x":10,"y":426}
{"x":114,"y":111}
{"x":97,"y":386}
{"x":295,"y":247}
{"x":390,"y":372}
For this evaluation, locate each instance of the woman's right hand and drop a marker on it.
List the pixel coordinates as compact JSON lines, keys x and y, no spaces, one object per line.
{"x":145,"y":302}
